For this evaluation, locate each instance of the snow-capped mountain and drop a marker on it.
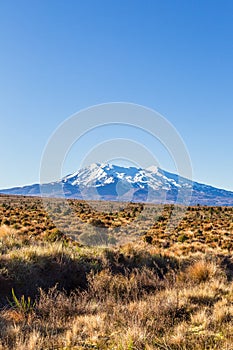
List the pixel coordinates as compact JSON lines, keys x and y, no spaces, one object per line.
{"x":112,"y":182}
{"x":99,"y":175}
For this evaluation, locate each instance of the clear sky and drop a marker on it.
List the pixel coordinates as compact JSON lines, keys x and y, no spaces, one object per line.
{"x":57,"y":57}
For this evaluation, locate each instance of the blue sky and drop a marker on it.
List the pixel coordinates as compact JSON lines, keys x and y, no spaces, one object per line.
{"x":57,"y":57}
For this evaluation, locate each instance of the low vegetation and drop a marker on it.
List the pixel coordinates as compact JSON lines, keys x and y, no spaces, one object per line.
{"x":159,"y":291}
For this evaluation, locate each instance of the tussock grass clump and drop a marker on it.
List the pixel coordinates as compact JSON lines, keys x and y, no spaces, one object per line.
{"x":202,"y":270}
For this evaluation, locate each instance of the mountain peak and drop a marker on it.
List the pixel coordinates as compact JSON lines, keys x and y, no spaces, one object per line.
{"x":153,"y":168}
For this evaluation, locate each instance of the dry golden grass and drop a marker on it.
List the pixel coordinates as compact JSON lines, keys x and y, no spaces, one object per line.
{"x":168,"y":292}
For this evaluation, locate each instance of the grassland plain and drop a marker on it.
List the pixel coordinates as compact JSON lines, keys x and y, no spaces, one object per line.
{"x":165,"y":289}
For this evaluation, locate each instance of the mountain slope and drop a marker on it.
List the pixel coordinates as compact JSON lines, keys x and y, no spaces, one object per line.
{"x":112,"y":182}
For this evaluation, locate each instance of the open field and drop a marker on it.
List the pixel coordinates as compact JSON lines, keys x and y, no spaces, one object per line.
{"x":167,"y":287}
